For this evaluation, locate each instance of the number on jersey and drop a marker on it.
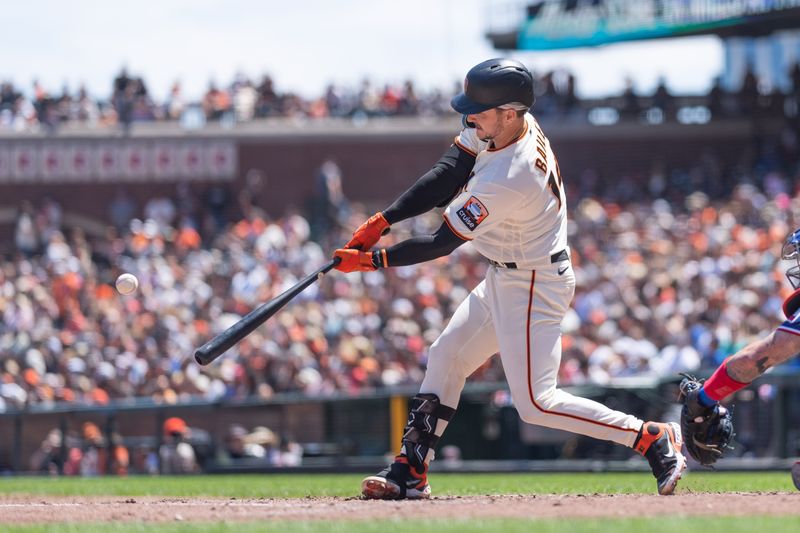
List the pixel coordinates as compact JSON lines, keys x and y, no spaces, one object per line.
{"x":556,"y":185}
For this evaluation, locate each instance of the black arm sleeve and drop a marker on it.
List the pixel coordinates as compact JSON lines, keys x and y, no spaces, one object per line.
{"x":435,"y":188}
{"x":419,"y":249}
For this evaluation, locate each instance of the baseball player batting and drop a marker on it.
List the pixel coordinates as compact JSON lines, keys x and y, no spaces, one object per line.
{"x":503,"y":191}
{"x":707,"y":425}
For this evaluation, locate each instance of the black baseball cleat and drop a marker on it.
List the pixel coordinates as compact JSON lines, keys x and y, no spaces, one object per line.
{"x":661,"y":444}
{"x":396,"y":482}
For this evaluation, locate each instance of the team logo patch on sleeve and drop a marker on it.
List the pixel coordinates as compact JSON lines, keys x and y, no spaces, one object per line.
{"x":472,"y":213}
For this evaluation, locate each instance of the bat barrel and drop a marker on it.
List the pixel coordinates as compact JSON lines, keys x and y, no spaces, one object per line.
{"x":225,"y":340}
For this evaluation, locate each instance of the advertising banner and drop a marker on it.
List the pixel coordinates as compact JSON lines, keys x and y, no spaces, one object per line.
{"x":113,"y":160}
{"x":559,"y":24}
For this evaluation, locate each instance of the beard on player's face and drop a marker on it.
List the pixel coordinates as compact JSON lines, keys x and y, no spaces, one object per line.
{"x":493,"y":132}
{"x":485,"y":135}
{"x":488,"y":125}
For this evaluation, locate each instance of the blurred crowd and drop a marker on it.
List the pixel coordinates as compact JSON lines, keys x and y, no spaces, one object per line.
{"x":676,"y":270}
{"x":84,"y":454}
{"x":663,"y":287}
{"x":181,"y":449}
{"x":244,"y":99}
{"x":662,"y":292}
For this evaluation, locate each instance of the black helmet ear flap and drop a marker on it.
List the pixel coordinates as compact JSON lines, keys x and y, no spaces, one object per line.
{"x":466,"y":123}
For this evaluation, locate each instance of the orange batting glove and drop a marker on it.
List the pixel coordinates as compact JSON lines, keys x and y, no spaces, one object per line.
{"x":369,"y":233}
{"x":354,"y":260}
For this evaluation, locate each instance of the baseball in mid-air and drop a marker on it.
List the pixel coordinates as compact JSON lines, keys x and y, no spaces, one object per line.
{"x":127,"y":283}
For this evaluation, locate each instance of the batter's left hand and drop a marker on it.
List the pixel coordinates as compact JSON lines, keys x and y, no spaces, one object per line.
{"x":354,"y":261}
{"x":369,"y":233}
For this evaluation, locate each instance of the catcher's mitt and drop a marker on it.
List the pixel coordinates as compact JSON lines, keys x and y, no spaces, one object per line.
{"x":707,"y":431}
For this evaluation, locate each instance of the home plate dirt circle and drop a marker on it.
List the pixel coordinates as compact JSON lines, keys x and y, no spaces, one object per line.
{"x":17,"y":509}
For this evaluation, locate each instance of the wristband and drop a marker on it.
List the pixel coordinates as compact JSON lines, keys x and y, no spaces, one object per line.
{"x":379,"y":258}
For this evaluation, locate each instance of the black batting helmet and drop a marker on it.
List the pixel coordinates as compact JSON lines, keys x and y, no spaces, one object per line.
{"x":494,"y":83}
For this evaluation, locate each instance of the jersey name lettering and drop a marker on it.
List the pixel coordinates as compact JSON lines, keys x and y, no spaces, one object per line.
{"x":541,"y":148}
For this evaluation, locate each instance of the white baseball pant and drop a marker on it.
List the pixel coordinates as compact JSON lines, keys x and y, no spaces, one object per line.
{"x":519,"y":313}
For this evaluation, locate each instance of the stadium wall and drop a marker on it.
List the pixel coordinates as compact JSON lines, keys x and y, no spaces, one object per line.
{"x":342,"y":431}
{"x":377,"y":162}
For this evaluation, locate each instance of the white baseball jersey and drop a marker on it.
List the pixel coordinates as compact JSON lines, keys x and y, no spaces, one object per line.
{"x":513,"y":207}
{"x":513,"y":210}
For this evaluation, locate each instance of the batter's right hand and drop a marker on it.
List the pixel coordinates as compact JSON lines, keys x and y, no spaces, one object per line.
{"x":353,"y":261}
{"x":369,"y":233}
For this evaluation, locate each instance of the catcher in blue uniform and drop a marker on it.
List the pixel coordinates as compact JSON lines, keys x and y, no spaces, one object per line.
{"x":707,"y":426}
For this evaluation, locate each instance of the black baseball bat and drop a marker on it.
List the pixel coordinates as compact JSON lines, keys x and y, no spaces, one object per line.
{"x":222,"y":342}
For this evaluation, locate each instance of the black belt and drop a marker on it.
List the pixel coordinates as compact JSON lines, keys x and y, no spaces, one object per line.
{"x":555,"y":258}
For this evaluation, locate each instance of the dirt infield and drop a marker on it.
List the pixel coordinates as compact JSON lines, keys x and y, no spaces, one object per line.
{"x":36,"y":510}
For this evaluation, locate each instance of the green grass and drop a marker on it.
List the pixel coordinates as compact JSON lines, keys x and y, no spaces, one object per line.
{"x":346,"y":485}
{"x":631,"y":525}
{"x":299,"y":486}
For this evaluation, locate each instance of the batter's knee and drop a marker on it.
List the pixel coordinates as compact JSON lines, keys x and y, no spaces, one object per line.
{"x":445,"y":361}
{"x":535,"y":410}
